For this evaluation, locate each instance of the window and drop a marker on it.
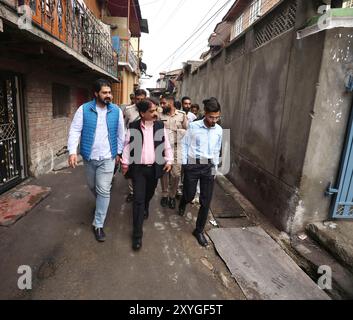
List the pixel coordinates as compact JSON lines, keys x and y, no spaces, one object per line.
{"x":61,"y":100}
{"x":238,"y":26}
{"x":255,"y":10}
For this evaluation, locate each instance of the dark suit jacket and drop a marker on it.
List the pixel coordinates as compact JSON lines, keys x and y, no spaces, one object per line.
{"x":158,"y":125}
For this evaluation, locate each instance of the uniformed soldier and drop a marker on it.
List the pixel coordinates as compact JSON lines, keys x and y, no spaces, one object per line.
{"x":176,"y":122}
{"x":132,"y":114}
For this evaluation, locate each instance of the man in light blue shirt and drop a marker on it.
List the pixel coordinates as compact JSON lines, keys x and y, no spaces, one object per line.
{"x":201,"y":148}
{"x":99,"y":127}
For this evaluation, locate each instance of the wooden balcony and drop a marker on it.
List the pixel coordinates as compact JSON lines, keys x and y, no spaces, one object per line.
{"x":72,"y":23}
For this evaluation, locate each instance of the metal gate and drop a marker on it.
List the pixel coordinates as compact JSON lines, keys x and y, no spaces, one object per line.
{"x":10,"y":155}
{"x":342,"y":206}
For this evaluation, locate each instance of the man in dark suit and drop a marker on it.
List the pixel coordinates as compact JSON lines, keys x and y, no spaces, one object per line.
{"x":147,"y":156}
{"x":201,"y":149}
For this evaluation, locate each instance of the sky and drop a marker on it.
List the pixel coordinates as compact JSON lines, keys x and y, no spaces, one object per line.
{"x":171,"y":23}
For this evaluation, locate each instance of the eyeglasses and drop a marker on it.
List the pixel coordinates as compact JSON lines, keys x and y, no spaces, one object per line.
{"x":213,"y":118}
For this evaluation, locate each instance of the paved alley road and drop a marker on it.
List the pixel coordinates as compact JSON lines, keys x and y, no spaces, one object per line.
{"x":56,"y":240}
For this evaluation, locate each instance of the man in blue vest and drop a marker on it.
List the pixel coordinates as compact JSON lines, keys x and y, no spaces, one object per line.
{"x":100,"y":125}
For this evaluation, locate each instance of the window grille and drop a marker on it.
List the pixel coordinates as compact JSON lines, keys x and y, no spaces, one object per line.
{"x":235,"y":50}
{"x":279,"y":22}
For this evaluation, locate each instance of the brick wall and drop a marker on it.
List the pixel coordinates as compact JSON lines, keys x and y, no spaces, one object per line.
{"x":46,"y":135}
{"x":266,"y":5}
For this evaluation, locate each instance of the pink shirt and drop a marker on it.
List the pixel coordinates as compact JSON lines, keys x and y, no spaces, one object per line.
{"x":147,"y":154}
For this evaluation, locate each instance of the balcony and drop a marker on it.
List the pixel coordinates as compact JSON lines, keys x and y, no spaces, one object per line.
{"x":127,"y":57}
{"x":72,"y":23}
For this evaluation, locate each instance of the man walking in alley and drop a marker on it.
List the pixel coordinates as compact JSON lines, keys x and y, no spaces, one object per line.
{"x":147,"y":156}
{"x":201,"y":148}
{"x":186,"y":105}
{"x":176,"y":122}
{"x":100,"y":125}
{"x":131,"y":114}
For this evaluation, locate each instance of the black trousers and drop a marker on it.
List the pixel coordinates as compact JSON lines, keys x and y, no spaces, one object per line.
{"x":144,"y":185}
{"x":192,"y":174}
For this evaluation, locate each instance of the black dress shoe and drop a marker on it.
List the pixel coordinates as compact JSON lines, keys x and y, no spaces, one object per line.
{"x":181,"y":211}
{"x":146,"y":214}
{"x":171,"y":203}
{"x":99,"y":233}
{"x":164,"y":202}
{"x":136,"y":244}
{"x":200,"y":238}
{"x":130,"y":197}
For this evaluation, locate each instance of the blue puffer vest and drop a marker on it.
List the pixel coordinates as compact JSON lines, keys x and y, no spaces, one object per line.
{"x":90,"y":116}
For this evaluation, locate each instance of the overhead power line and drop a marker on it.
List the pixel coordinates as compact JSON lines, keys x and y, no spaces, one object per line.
{"x":195,"y":32}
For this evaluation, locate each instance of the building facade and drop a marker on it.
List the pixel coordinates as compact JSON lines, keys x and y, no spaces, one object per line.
{"x":285,"y":86}
{"x":127,"y":25}
{"x":50,"y":54}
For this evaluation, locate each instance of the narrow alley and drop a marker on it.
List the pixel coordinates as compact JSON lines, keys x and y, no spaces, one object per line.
{"x":239,"y":111}
{"x":56,"y":240}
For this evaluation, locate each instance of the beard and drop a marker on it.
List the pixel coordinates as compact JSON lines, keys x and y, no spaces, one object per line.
{"x":210,"y":124}
{"x":105,"y":101}
{"x":166,"y":110}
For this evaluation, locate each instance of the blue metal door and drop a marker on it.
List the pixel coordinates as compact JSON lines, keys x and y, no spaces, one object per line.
{"x":342,"y":206}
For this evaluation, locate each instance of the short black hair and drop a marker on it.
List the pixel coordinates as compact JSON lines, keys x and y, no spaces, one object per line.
{"x":178,"y":105}
{"x":195,"y":105}
{"x":185,"y":98}
{"x":140,"y":92}
{"x":211,"y":105}
{"x":98,"y":84}
{"x":143,"y":105}
{"x":170,"y":97}
{"x":153,"y":100}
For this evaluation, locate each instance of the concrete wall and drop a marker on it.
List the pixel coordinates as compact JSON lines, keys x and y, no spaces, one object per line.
{"x":129,"y":79}
{"x":269,"y":97}
{"x":328,"y":130}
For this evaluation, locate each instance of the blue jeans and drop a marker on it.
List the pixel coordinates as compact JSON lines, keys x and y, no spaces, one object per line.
{"x":99,"y":177}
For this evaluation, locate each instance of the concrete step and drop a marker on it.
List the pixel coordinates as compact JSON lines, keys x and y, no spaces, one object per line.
{"x":261,"y":267}
{"x":311,"y":256}
{"x":336,"y":237}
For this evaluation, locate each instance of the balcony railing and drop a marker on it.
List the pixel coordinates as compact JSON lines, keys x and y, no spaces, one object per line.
{"x":127,"y":55}
{"x":71,"y":22}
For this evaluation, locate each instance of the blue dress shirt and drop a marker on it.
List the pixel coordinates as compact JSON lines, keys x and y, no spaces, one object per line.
{"x":202,"y":142}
